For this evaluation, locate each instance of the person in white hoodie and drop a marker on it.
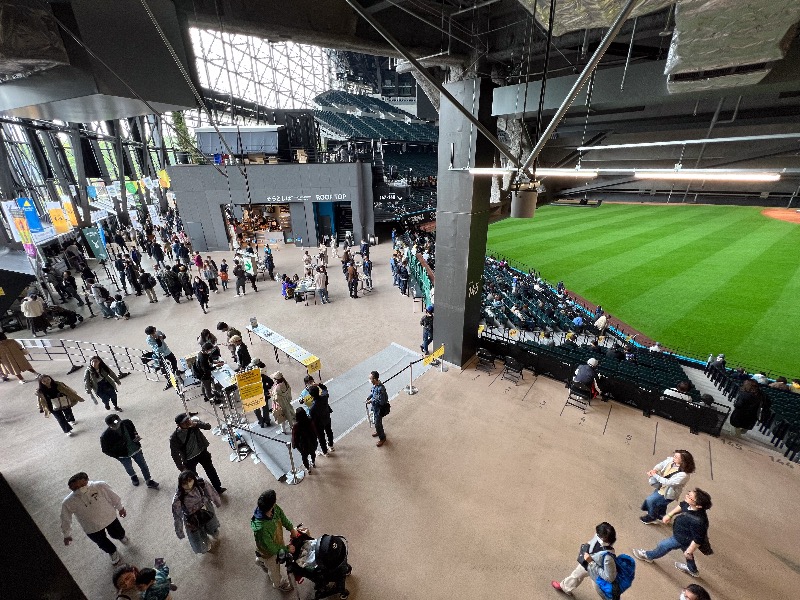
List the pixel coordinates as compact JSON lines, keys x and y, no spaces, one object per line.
{"x":96,"y":506}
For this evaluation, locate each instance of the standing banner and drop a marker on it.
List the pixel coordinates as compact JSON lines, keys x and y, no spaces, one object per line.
{"x":31,"y":215}
{"x":92,"y":236}
{"x":21,"y":225}
{"x":251,"y":390}
{"x":58,"y":218}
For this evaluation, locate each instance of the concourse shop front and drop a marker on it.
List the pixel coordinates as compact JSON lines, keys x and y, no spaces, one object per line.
{"x":284,"y":203}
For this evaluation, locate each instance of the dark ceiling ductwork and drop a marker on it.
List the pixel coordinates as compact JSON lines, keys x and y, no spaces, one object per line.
{"x":29,"y":42}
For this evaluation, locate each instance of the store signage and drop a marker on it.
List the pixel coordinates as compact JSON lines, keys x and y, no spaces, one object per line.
{"x":31,"y":215}
{"x":330,"y":197}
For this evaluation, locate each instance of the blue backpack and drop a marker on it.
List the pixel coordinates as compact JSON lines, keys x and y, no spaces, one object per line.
{"x":626,"y":571}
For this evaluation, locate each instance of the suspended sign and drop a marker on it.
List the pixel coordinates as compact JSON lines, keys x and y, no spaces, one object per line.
{"x":163,"y":178}
{"x":95,"y":242}
{"x":21,"y":225}
{"x":31,"y":214}
{"x":251,"y":390}
{"x":58,"y":218}
{"x":91,"y":191}
{"x":130,"y":186}
{"x":69,"y":208}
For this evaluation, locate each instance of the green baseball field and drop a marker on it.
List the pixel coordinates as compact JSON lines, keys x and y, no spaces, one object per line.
{"x":701,"y":279}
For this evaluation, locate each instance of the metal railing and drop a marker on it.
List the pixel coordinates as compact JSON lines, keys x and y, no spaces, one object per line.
{"x":78,"y":353}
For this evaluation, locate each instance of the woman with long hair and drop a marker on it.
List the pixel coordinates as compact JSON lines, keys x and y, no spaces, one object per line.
{"x":186,"y":282}
{"x":282,"y":409}
{"x":668,"y":477}
{"x":200,"y":290}
{"x":194,"y":512}
{"x":304,"y":438}
{"x":210,"y":273}
{"x":57,"y":398}
{"x":100,"y":380}
{"x":13,"y":360}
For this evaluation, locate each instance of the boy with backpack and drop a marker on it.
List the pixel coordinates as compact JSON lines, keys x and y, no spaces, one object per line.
{"x":100,"y":295}
{"x":120,"y":308}
{"x":611,"y":574}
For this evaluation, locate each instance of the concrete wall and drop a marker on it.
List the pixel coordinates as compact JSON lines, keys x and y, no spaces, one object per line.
{"x":201,"y":191}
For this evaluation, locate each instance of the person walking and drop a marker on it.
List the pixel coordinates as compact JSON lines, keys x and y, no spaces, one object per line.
{"x":189,"y":448}
{"x":689,"y":532}
{"x":71,"y":286}
{"x":596,"y":560}
{"x":426,"y":322}
{"x":96,"y":507}
{"x":379,"y":403}
{"x":100,"y":380}
{"x":201,"y":292}
{"x":746,"y":407}
{"x":132,"y":273}
{"x":267,"y":523}
{"x":239,"y":274}
{"x":194,"y":512}
{"x":33,"y":310}
{"x":161,"y":352}
{"x":148,"y":284}
{"x":120,"y":266}
{"x":57,"y":398}
{"x":282,"y":410}
{"x":304,"y":438}
{"x":120,"y":440}
{"x":158,"y":253}
{"x":352,"y":280}
{"x":321,"y":283}
{"x":173,"y":282}
{"x":186,"y":283}
{"x":320,"y":413}
{"x":402,"y":277}
{"x":223,"y":274}
{"x":366,"y":269}
{"x":210,"y":273}
{"x":668,"y":477}
{"x":198,"y":262}
{"x":269,"y":262}
{"x":13,"y":360}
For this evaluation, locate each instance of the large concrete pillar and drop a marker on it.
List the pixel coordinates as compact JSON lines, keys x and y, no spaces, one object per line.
{"x":462,"y":218}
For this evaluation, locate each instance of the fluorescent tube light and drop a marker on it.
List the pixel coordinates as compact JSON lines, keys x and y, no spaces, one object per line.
{"x":577,"y":173}
{"x":709,"y":175}
{"x":490,"y":171}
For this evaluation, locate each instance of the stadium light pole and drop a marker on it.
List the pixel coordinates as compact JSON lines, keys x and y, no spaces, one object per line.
{"x":505,"y":150}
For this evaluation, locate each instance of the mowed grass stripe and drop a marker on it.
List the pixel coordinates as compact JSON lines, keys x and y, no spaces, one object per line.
{"x":707,"y":296}
{"x":705,"y":278}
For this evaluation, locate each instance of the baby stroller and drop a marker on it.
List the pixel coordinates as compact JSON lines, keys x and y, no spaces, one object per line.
{"x":61,"y":317}
{"x":322,"y":561}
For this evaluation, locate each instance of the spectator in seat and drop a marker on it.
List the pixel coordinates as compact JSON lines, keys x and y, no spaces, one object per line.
{"x":796,"y":386}
{"x":586,"y":377}
{"x":761,"y":379}
{"x":781,"y":384}
{"x":680,"y":391}
{"x":656,"y":347}
{"x":615,"y":352}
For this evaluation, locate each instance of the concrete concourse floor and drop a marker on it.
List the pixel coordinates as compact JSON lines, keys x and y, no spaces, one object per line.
{"x":484,"y":489}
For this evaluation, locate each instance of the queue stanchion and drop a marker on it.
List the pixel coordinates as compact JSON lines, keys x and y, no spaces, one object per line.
{"x":294,"y":476}
{"x":410,"y":389}
{"x":73,"y":367}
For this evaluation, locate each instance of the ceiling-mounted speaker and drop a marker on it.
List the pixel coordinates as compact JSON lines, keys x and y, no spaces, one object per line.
{"x":523,"y":203}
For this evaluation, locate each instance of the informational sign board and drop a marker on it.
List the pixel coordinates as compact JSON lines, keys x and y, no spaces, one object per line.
{"x":251,"y":390}
{"x":58,"y":218}
{"x":69,"y":208}
{"x":31,"y":214}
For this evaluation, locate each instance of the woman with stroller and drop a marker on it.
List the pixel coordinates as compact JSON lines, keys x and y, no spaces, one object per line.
{"x":282,"y":409}
{"x":200,"y":290}
{"x":304,"y":438}
{"x":57,"y":398}
{"x":194,"y":513}
{"x":99,"y":380}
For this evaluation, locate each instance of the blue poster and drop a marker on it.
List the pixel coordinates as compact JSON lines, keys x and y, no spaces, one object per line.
{"x":31,"y":216}
{"x":91,"y":191}
{"x":102,"y":235}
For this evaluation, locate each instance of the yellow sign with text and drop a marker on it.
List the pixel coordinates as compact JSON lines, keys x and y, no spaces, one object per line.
{"x":251,"y":390}
{"x":312,"y":364}
{"x":70,"y":210}
{"x":59,"y":220}
{"x":438,"y":353}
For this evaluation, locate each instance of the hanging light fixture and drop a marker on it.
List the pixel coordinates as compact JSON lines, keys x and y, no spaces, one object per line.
{"x":707,"y":175}
{"x":575,"y":173}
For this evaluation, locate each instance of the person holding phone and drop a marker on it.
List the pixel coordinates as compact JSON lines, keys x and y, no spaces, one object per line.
{"x":591,"y":561}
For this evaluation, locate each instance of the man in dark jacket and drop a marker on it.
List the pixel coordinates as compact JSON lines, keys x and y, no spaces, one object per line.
{"x":121,"y":441}
{"x":689,"y":532}
{"x":240,"y":353}
{"x":321,"y":414}
{"x":203,"y":367}
{"x":262,"y":414}
{"x":119,"y":265}
{"x":189,"y":448}
{"x":427,"y":329}
{"x":173,"y":284}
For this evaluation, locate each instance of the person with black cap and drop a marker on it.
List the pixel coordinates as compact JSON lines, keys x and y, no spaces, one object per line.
{"x":427,"y":329}
{"x":203,"y":366}
{"x":268,"y":523}
{"x":262,"y":414}
{"x":121,"y":441}
{"x":189,"y":448}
